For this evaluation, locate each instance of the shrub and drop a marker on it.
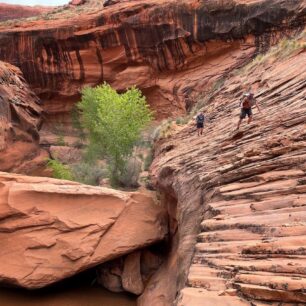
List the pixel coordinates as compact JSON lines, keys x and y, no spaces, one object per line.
{"x":113,"y":122}
{"x":181,"y":120}
{"x":60,"y":140}
{"x":148,"y":160}
{"x":130,"y":174}
{"x":90,"y":174}
{"x":163,"y":130}
{"x":59,"y":170}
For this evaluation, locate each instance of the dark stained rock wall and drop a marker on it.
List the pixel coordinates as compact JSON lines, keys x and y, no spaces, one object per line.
{"x":140,"y":43}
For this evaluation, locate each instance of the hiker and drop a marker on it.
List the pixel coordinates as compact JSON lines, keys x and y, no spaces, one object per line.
{"x":246,"y":104}
{"x":200,"y":123}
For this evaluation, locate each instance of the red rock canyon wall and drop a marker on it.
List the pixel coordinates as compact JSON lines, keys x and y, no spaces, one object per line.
{"x":170,"y":49}
{"x":20,"y":119}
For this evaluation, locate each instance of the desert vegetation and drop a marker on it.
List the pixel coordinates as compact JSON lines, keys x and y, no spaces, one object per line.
{"x":112,"y":125}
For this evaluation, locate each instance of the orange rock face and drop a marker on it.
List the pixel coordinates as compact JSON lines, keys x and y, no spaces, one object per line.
{"x":77,"y":2}
{"x":51,"y":229}
{"x":20,"y":118}
{"x":169,"y":49}
{"x":247,"y":188}
{"x":9,"y":11}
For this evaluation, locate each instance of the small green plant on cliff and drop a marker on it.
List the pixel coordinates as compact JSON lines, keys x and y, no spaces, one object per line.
{"x":59,"y":170}
{"x":60,"y":140}
{"x":113,"y":123}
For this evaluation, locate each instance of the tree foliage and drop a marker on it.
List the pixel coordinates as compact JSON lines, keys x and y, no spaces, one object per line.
{"x":113,"y":123}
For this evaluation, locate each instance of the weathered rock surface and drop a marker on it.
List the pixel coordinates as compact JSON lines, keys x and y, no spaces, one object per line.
{"x":20,"y":119}
{"x":77,"y":2}
{"x":9,"y":11}
{"x":170,"y":49}
{"x":52,"y":229}
{"x":130,"y":273}
{"x":65,"y":154}
{"x":250,"y":248}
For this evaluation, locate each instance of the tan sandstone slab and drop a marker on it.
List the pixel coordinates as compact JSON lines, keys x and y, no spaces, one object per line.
{"x":52,"y":229}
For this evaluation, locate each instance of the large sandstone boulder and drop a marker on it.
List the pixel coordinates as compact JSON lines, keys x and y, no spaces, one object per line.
{"x":52,"y":229}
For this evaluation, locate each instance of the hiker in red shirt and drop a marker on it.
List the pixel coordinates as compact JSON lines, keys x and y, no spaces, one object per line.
{"x":246,"y":104}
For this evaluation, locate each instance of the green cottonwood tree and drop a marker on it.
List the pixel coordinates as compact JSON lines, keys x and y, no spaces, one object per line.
{"x":113,"y":122}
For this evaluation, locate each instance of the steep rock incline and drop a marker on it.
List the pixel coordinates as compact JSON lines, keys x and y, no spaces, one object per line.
{"x":20,"y":118}
{"x":52,"y":229}
{"x":170,"y":49}
{"x":252,"y":183}
{"x":9,"y":11}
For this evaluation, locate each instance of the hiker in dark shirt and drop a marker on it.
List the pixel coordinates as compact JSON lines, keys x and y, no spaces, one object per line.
{"x":246,"y":104}
{"x":200,"y":123}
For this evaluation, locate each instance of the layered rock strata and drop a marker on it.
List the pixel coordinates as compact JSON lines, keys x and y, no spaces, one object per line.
{"x":250,"y":246}
{"x":9,"y":11}
{"x":52,"y":229}
{"x":169,"y":49}
{"x":20,"y":119}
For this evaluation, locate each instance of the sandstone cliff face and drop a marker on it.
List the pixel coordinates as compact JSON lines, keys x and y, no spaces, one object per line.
{"x":247,"y":189}
{"x":20,"y":118}
{"x":9,"y":11}
{"x":52,"y":229}
{"x":169,"y":49}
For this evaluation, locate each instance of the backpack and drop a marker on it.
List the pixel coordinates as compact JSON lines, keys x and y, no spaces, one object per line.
{"x":200,"y":119}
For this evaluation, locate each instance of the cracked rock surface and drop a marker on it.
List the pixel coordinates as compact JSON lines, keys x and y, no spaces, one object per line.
{"x":52,"y":229}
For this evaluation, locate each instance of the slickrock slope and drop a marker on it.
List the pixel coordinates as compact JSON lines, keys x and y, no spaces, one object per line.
{"x":251,"y":243}
{"x":9,"y":11}
{"x":170,"y":49}
{"x":20,"y":118}
{"x":52,"y":229}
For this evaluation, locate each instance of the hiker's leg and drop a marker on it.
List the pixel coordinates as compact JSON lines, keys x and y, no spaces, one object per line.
{"x":250,"y":115}
{"x":242,"y":116}
{"x":201,"y":131}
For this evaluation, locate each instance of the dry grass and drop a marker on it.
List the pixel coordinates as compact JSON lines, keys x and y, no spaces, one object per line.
{"x":285,"y":48}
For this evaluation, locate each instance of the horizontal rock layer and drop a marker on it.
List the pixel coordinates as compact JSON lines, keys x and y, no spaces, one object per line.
{"x":169,"y":49}
{"x":52,"y":229}
{"x":251,"y":246}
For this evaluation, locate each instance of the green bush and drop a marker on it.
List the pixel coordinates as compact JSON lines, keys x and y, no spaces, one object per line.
{"x":113,"y":123}
{"x":59,"y":170}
